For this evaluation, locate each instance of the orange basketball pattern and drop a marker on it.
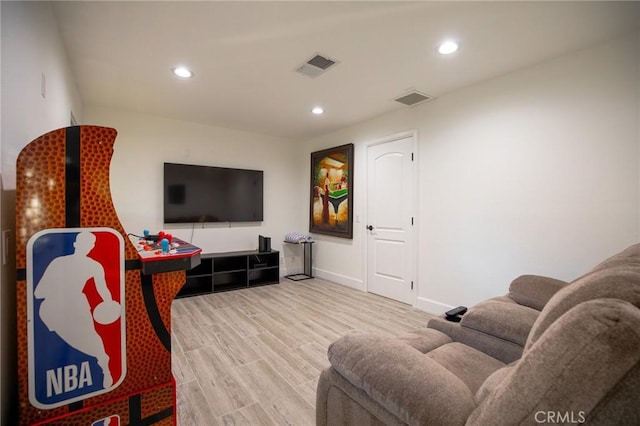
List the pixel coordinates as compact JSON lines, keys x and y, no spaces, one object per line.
{"x":96,"y":208}
{"x":150,"y":401}
{"x":40,"y":201}
{"x":40,"y":194}
{"x":87,"y":417}
{"x":40,"y":204}
{"x":157,"y":398}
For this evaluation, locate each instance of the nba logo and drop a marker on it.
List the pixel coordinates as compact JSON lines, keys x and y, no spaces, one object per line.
{"x":76,"y":315}
{"x":108,"y":421}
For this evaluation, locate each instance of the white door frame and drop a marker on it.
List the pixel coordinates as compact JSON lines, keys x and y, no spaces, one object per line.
{"x":414,"y":211}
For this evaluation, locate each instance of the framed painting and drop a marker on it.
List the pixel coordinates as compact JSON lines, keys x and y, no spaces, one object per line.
{"x":331,"y":207}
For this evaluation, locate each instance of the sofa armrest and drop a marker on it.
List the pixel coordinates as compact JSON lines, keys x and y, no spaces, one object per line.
{"x":534,"y":291}
{"x":408,"y":384}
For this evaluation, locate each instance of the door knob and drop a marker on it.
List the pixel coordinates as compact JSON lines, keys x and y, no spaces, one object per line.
{"x":370,"y":227}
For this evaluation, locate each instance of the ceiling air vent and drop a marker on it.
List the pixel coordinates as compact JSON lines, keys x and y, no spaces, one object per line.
{"x":316,"y":66}
{"x":413,"y":98}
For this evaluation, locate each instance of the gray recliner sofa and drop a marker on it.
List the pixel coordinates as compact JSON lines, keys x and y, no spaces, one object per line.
{"x":579,"y":362}
{"x":500,"y":326}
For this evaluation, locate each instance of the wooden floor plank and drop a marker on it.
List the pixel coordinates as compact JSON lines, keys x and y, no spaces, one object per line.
{"x":182,"y":372}
{"x":188,"y":333}
{"x":233,"y":347}
{"x":221,"y":384}
{"x":251,"y":415}
{"x":253,"y":356}
{"x":193,"y":408}
{"x":290,"y":365}
{"x":278,"y":397}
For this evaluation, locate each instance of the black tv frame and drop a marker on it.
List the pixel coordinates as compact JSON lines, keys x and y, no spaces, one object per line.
{"x":211,"y":194}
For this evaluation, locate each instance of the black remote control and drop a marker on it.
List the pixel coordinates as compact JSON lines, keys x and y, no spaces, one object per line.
{"x":455,"y":312}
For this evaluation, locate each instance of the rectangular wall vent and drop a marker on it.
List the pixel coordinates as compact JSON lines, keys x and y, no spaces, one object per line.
{"x":413,"y":98}
{"x":315,"y":66}
{"x":321,"y":62}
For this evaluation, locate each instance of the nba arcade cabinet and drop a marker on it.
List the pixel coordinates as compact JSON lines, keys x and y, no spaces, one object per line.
{"x":94,"y":312}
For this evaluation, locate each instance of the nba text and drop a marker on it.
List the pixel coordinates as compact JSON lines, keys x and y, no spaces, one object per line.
{"x":68,"y":378}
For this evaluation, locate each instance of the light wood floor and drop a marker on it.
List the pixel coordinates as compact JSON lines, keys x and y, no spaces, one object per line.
{"x":253,"y":356}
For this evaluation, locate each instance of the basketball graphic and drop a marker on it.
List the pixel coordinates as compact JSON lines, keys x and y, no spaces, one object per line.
{"x":107,"y":312}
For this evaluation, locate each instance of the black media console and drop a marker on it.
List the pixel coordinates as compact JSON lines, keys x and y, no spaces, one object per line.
{"x":232,"y":271}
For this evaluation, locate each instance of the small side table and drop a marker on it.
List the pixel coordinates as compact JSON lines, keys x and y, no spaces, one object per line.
{"x":308,"y":256}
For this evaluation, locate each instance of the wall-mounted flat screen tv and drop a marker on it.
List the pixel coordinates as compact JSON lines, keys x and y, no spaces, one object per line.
{"x":198,"y":194}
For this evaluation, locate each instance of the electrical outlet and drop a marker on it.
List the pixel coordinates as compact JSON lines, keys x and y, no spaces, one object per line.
{"x":43,"y":85}
{"x":282,"y":260}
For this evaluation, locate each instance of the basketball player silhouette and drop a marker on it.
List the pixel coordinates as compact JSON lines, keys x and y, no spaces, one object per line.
{"x":65,"y":309}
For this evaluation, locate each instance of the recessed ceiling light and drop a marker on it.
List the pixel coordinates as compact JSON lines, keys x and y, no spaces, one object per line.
{"x":317,"y":110}
{"x":182,"y":72}
{"x":448,"y":47}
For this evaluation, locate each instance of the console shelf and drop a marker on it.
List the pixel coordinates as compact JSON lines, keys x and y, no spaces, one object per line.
{"x":232,"y":271}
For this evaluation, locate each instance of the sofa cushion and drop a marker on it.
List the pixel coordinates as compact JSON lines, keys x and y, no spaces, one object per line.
{"x":619,"y":282}
{"x":404,"y":381}
{"x":505,"y":299}
{"x":493,"y":346}
{"x":508,"y":321}
{"x":468,"y":364}
{"x":425,"y":339}
{"x":534,"y":291}
{"x":583,"y":359}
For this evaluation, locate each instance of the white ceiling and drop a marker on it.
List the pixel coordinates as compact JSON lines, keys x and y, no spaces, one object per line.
{"x":244,"y":54}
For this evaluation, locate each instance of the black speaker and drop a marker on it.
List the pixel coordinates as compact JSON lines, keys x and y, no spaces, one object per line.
{"x":264,"y":244}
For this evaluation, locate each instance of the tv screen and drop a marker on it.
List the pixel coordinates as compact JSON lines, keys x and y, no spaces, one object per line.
{"x":194,"y":194}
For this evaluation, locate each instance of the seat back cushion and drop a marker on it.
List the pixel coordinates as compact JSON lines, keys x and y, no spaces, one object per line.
{"x":621,"y":281}
{"x":508,"y":321}
{"x":630,"y":254}
{"x":585,"y":366}
{"x":471,"y":366}
{"x":534,"y":291}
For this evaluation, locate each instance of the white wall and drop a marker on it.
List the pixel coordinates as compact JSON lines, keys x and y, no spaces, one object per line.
{"x":533,"y":172}
{"x":145,"y":142}
{"x":31,"y":47}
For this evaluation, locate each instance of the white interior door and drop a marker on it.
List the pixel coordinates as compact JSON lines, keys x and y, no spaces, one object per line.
{"x":390,"y":239}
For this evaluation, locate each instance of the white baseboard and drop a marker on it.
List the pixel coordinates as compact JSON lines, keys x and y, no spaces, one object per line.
{"x":429,"y":306}
{"x":432,"y":306}
{"x":339,"y":279}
